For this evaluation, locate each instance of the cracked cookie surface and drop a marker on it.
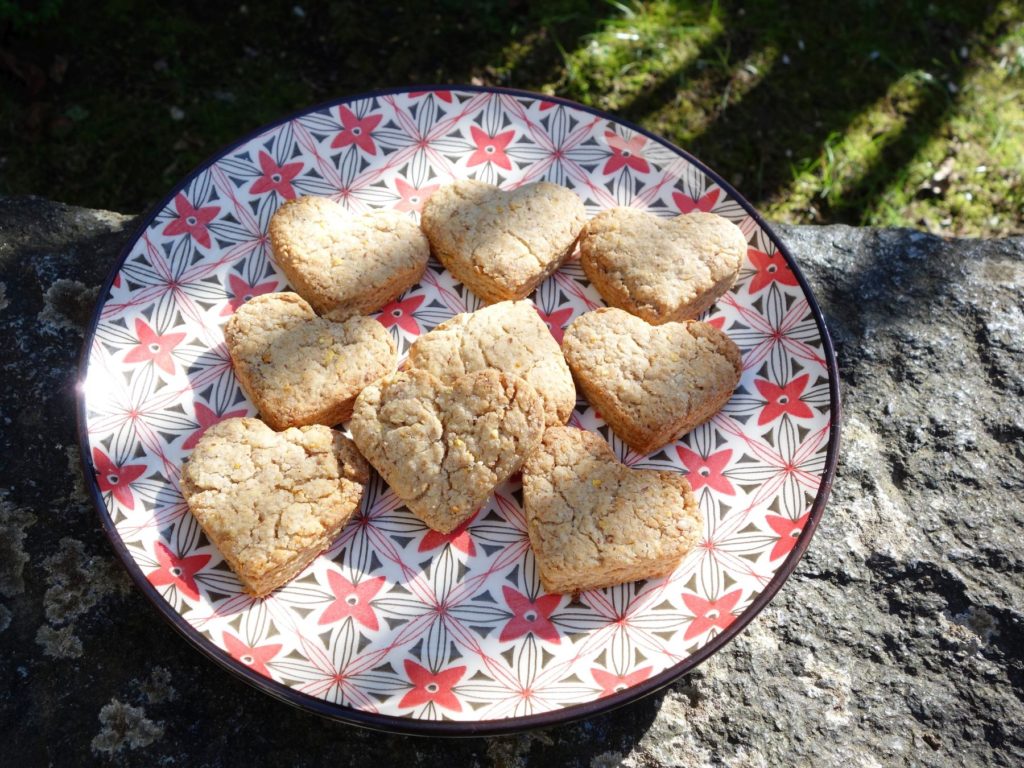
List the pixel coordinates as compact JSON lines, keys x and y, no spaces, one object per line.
{"x":594,"y":522}
{"x":443,"y":449}
{"x":650,"y":383}
{"x":346,"y":263}
{"x":502,"y":244}
{"x":272,"y":501}
{"x":662,"y":270}
{"x":508,"y":336}
{"x":298,"y":368}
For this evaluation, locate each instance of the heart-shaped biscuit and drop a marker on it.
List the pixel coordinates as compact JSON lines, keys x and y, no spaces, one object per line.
{"x":343,"y":262}
{"x":662,"y":270}
{"x":502,"y":244}
{"x":594,"y":522}
{"x":298,"y":368}
{"x":651,"y":383}
{"x":444,"y":449}
{"x":508,"y":336}
{"x":272,"y":501}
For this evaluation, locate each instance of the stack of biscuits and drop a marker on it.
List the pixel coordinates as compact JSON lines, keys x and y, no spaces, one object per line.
{"x":481,"y":397}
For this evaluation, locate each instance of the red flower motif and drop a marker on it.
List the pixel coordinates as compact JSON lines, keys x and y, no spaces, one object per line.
{"x":153,"y":346}
{"x":242,"y":291}
{"x":789,"y":531}
{"x":255,"y":656}
{"x":401,"y":313}
{"x":459,"y":538}
{"x":490,"y":148}
{"x":115,"y":479}
{"x":428,"y":686}
{"x":687,"y":204}
{"x":707,"y":471}
{"x":352,"y":600}
{"x":413,"y":198}
{"x":356,"y":131}
{"x":530,"y":616}
{"x":178,"y":571}
{"x":707,"y":614}
{"x":771,"y":267}
{"x":556,"y":321}
{"x":445,"y":96}
{"x":625,"y":153}
{"x":191,"y":220}
{"x":614,"y":683}
{"x":276,"y":177}
{"x":783,"y":399}
{"x":206,"y":417}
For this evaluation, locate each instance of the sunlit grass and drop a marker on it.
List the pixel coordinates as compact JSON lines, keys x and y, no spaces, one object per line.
{"x":862,"y":112}
{"x":826,"y":182}
{"x":983,"y":143}
{"x":722,"y":80}
{"x":968,"y":175}
{"x":636,"y":48}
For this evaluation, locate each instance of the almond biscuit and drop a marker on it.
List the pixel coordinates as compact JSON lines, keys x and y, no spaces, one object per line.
{"x":508,"y":336}
{"x":272,"y":501}
{"x":298,"y":368}
{"x":502,"y":244}
{"x":441,"y":448}
{"x":662,"y":270}
{"x":594,"y":522}
{"x":651,"y":383}
{"x":343,"y":262}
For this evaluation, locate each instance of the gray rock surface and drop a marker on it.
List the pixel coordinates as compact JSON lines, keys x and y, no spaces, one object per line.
{"x":898,"y":641}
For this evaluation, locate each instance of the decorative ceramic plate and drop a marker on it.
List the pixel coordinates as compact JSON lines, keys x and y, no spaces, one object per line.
{"x":395,"y":626}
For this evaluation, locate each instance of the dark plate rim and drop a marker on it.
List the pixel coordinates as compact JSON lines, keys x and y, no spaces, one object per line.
{"x":408,"y":725}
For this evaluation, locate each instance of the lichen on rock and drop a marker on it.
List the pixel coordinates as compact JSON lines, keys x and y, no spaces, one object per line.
{"x":124,"y":727}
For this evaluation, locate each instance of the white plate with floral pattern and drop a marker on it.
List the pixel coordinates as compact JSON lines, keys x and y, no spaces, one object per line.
{"x":395,"y":626}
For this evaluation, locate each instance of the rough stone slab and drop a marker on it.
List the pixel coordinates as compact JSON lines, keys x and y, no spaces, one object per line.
{"x":899,"y":640}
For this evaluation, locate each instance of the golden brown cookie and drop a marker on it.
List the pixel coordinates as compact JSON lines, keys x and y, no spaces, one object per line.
{"x":508,"y":336}
{"x":272,"y":501}
{"x":662,"y":270}
{"x":443,"y":449}
{"x":594,"y":522}
{"x":298,"y":368}
{"x":343,"y":262}
{"x":651,"y":383}
{"x":502,"y":244}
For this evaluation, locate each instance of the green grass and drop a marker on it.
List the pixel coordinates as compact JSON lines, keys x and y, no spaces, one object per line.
{"x":864,"y":111}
